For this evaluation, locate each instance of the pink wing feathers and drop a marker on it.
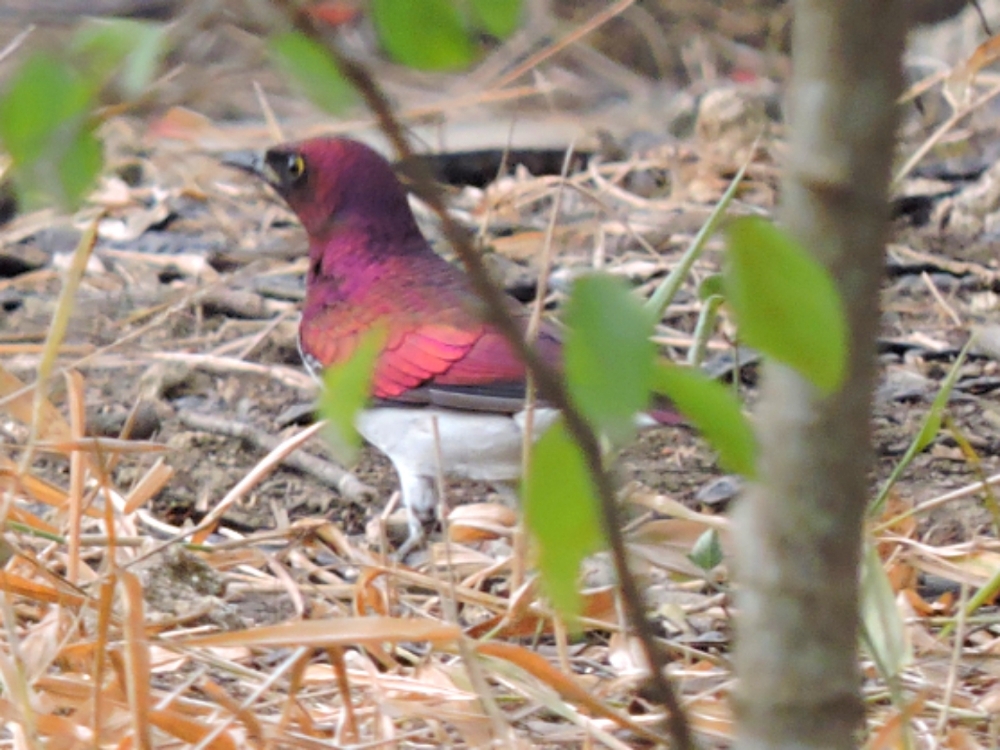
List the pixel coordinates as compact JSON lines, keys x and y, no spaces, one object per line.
{"x":451,"y":363}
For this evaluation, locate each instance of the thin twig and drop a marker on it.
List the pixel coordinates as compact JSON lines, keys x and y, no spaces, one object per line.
{"x":256,"y":475}
{"x":273,"y":126}
{"x":346,"y":483}
{"x":535,"y":319}
{"x":16,"y":42}
{"x":545,"y":262}
{"x":658,"y":688}
{"x":936,"y":502}
{"x":55,"y":335}
{"x":956,"y":655}
{"x":956,"y":117}
{"x":449,"y":598}
{"x":939,"y":298}
{"x":576,"y":35}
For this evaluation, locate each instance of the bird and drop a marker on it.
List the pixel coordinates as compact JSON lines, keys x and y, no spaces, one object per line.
{"x":448,"y":391}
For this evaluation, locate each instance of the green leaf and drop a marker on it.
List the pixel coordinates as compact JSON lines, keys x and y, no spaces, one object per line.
{"x":785,"y":303}
{"x":715,"y":411}
{"x":346,"y":388}
{"x":79,"y":167}
{"x":130,"y":47}
{"x":423,"y":34}
{"x":984,"y":595}
{"x":44,"y":126}
{"x":881,"y":624}
{"x":711,"y":286}
{"x":310,"y":66}
{"x":707,"y":551}
{"x":932,"y":422}
{"x":608,"y":353}
{"x":43,"y":96}
{"x":704,"y":329}
{"x":497,"y":17}
{"x":561,"y":511}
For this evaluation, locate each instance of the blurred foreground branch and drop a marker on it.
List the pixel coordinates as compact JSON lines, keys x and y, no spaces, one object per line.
{"x":550,"y":386}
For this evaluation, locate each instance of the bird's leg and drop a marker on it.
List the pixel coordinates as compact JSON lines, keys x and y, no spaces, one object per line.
{"x":421,"y":504}
{"x":415,"y":538}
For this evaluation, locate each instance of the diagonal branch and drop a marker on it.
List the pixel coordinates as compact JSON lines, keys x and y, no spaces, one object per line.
{"x":658,"y":688}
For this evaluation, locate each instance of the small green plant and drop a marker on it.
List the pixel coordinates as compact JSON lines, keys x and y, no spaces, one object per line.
{"x":49,"y":115}
{"x":49,"y":132}
{"x":309,"y":66}
{"x":440,"y":34}
{"x":346,"y":389}
{"x":785,"y":303}
{"x":561,"y":509}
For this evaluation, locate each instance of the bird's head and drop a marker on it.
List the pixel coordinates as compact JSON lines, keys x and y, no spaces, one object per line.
{"x":334,"y":182}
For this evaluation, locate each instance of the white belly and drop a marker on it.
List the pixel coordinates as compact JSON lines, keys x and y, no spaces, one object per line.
{"x":473,"y":445}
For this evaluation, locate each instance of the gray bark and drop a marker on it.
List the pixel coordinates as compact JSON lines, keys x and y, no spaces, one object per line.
{"x":798,"y":531}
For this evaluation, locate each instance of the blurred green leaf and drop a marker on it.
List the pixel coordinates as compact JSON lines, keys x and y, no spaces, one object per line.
{"x":609,"y":354}
{"x":497,"y":17}
{"x":423,"y":34}
{"x":715,"y":412}
{"x":703,"y":330}
{"x":129,"y":47}
{"x":79,"y":166}
{"x":711,"y":286}
{"x":985,"y":595}
{"x":561,"y":511}
{"x":785,"y":303}
{"x":101,"y":47}
{"x":932,"y":422}
{"x":707,"y":551}
{"x":42,"y":97}
{"x":310,"y":66}
{"x":45,"y":127}
{"x":346,"y":388}
{"x":882,"y":627}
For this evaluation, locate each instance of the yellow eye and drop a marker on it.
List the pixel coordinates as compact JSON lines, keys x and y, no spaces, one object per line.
{"x":296,"y":166}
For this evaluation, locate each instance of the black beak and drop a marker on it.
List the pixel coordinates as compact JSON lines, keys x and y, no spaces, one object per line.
{"x":252,"y":162}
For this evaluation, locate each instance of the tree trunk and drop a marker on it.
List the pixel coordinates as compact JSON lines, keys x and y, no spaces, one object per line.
{"x":799,"y":530}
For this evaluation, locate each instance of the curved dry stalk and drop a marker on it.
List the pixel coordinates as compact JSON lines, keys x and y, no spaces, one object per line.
{"x":658,"y":688}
